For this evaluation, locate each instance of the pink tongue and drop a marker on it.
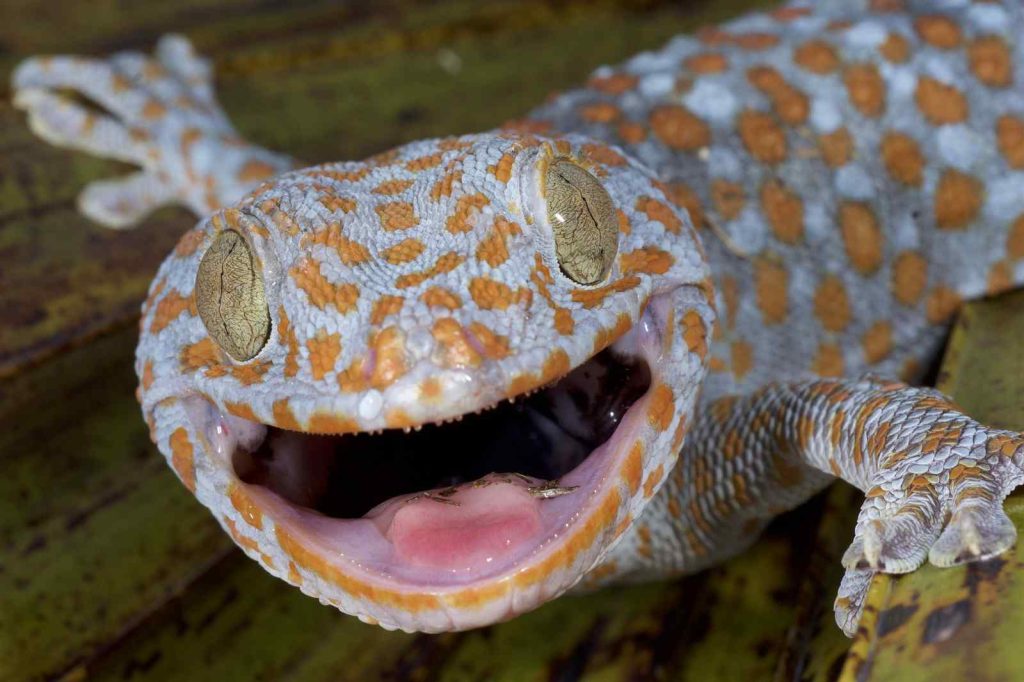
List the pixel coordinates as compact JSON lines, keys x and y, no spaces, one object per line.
{"x":487,"y":522}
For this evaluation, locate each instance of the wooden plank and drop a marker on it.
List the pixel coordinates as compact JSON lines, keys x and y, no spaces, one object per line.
{"x":959,"y":623}
{"x":321,"y":81}
{"x":94,"y":528}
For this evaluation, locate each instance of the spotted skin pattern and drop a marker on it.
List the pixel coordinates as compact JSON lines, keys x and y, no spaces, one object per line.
{"x":847,"y":175}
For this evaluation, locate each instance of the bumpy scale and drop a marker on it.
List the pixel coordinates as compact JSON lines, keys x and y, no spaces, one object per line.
{"x":833,"y":181}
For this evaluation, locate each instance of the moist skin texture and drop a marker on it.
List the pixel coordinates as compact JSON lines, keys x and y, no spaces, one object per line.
{"x":761,"y":214}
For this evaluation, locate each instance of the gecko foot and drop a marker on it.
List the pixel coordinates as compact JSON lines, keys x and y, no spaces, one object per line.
{"x":155,"y":112}
{"x":937,"y":498}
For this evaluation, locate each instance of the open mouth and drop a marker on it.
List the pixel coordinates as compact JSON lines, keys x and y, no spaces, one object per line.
{"x":453,"y":504}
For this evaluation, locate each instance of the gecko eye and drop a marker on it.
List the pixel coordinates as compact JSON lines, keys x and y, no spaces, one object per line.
{"x":230,"y":297}
{"x":582,"y":218}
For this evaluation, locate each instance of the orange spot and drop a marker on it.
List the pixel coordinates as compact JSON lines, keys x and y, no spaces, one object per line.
{"x":679,"y":128}
{"x":633,"y":467}
{"x":168,"y":309}
{"x":384,"y":307}
{"x":350,"y":252}
{"x":284,"y":418}
{"x":502,"y":170}
{"x":650,"y":260}
{"x":354,"y":175}
{"x":491,"y":294}
{"x":307,"y":276}
{"x":388,"y":348}
{"x":682,"y":196}
{"x":446,"y":262}
{"x":762,"y":137}
{"x":940,"y":103}
{"x":493,"y":346}
{"x":425,"y":162}
{"x":440,"y":297}
{"x":632,"y":133}
{"x":392,"y":187}
{"x":958,"y":199}
{"x":771,"y":281}
{"x":903,"y":159}
{"x":728,"y":197}
{"x":591,"y":298}
{"x":603,"y":155}
{"x":147,"y":375}
{"x":564,"y":323}
{"x":861,"y":236}
{"x":254,"y":171}
{"x":189,"y":243}
{"x":182,"y":454}
{"x":458,"y":352}
{"x":831,"y":305}
{"x":991,"y":61}
{"x":153,"y":109}
{"x":323,"y":353}
{"x":430,"y":390}
{"x":659,"y":212}
{"x":325,"y":423}
{"x":895,"y":49}
{"x":816,"y":56}
{"x":909,"y":277}
{"x":1000,"y":278}
{"x":1015,"y":239}
{"x":836,"y":147}
{"x":742,"y":357}
{"x":615,"y":84}
{"x":333,"y":202}
{"x":1010,"y":135}
{"x":599,"y":112}
{"x":404,"y":251}
{"x":661,"y":408}
{"x":244,"y":505}
{"x":445,"y":186}
{"x":877,"y":342}
{"x":866,"y":89}
{"x":790,"y":104}
{"x":462,"y":219}
{"x":493,"y":249}
{"x":938,"y":31}
{"x":784,"y":210}
{"x":286,"y":333}
{"x":397,"y":215}
{"x":941,"y":304}
{"x":695,"y":333}
{"x":707,"y":62}
{"x":829,"y":361}
{"x":202,"y":353}
{"x":624,"y":225}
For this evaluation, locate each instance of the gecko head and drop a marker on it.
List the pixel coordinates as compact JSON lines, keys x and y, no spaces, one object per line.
{"x":435,"y":387}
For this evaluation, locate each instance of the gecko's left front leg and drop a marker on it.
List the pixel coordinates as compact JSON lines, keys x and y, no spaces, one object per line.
{"x":934,"y":480}
{"x":159,"y":113}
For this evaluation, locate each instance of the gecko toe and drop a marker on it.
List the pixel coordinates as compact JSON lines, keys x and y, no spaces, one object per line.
{"x":849,"y":604}
{"x":978,"y":532}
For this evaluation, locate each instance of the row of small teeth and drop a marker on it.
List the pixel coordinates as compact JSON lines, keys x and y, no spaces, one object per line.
{"x":544,"y":491}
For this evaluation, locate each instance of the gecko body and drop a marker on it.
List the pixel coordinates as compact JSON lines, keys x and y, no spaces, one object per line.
{"x":441,"y":386}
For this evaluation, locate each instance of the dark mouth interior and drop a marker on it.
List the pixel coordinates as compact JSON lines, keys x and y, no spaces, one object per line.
{"x":545,"y":436}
